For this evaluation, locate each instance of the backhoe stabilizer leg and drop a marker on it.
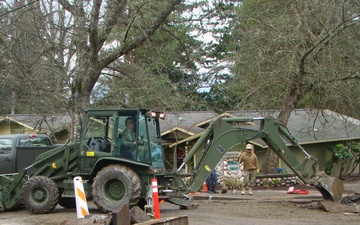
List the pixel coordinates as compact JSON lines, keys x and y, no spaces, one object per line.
{"x":11,"y":204}
{"x":184,"y":203}
{"x":10,"y":190}
{"x":331,"y":188}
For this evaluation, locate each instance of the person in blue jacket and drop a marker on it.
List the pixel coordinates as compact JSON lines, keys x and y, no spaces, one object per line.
{"x":211,"y":182}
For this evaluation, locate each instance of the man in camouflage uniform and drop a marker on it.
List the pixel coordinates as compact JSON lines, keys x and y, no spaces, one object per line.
{"x":128,"y":138}
{"x":251,"y":167}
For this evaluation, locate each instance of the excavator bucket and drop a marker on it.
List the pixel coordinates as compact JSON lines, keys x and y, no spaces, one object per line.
{"x":331,"y":188}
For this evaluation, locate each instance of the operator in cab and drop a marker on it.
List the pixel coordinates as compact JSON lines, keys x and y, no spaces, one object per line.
{"x":128,"y":139}
{"x":130,"y":142}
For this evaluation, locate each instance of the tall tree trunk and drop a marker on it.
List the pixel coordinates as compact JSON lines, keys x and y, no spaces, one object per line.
{"x":290,"y":103}
{"x":82,"y":86}
{"x":12,"y":102}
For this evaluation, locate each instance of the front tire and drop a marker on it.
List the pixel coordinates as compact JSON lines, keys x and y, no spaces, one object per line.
{"x":114,"y":186}
{"x":40,"y":194}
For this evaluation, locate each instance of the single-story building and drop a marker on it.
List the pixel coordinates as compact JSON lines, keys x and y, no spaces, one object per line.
{"x":56,"y":126}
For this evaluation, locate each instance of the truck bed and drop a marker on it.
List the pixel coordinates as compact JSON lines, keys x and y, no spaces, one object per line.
{"x":26,"y":155}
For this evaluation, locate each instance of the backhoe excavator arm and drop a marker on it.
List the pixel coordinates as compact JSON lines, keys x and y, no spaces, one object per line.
{"x":224,"y":133}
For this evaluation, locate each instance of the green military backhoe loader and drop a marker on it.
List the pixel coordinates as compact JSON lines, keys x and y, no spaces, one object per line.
{"x":116,"y":171}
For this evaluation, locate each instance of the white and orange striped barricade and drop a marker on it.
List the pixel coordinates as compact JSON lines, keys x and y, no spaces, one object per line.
{"x":80,"y":198}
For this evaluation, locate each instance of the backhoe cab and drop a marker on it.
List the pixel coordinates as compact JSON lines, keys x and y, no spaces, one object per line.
{"x":108,"y":133}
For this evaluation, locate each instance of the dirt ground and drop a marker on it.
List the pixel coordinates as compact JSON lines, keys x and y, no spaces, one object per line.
{"x":264,"y":207}
{"x":252,"y":212}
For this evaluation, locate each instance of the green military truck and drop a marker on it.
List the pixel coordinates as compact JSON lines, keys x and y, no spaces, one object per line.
{"x":18,"y":151}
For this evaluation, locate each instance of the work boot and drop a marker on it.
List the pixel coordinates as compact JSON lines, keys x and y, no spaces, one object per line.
{"x":214,"y":191}
{"x":250,"y":191}
{"x":242,"y":190}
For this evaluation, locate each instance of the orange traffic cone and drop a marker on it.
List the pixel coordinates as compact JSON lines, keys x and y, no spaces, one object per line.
{"x":205,"y":189}
{"x":156,"y":198}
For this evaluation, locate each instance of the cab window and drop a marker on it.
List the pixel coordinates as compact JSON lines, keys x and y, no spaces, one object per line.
{"x":5,"y":146}
{"x":34,"y":142}
{"x":157,"y":157}
{"x":99,"y":132}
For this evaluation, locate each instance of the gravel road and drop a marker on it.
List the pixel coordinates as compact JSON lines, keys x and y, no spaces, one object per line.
{"x":265,"y":207}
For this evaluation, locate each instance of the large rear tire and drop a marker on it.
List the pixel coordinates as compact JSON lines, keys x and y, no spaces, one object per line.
{"x":114,"y":186}
{"x":40,"y":194}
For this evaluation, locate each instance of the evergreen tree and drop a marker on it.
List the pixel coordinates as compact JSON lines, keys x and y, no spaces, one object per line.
{"x":294,"y":54}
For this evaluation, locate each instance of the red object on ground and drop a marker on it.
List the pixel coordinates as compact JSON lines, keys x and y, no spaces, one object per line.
{"x":155,"y":198}
{"x":298,"y":191}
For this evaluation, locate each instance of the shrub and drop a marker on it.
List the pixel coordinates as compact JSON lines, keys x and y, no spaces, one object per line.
{"x":276,"y":182}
